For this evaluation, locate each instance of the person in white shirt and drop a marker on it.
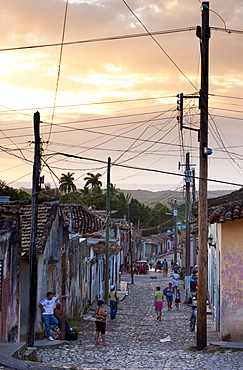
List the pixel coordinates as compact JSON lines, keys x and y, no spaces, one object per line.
{"x":175,"y":281}
{"x":47,"y":309}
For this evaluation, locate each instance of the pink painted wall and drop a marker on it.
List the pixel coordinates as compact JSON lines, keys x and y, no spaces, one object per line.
{"x":231,"y":281}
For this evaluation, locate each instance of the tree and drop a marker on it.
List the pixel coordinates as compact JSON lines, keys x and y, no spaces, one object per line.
{"x":119,"y":202}
{"x":84,"y":191}
{"x":138,"y":211}
{"x":66,"y":183}
{"x":93,"y":181}
{"x":158,"y":216}
{"x":48,"y":192}
{"x":113,"y":190}
{"x":14,"y":194}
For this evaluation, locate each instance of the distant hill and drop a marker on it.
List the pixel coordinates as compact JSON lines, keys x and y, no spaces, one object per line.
{"x":150,"y":198}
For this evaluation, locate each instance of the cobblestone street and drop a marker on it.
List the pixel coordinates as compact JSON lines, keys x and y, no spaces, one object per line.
{"x":134,"y":338}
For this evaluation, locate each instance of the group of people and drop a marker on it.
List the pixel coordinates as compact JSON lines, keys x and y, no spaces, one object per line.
{"x":141,"y":269}
{"x":52,"y":316}
{"x":169,"y":292}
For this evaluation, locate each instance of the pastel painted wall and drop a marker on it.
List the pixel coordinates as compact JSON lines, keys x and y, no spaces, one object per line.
{"x":231,"y":280}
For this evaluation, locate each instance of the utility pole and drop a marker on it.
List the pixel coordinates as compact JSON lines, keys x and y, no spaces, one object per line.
{"x":63,"y":292}
{"x":188,"y":180}
{"x":130,"y":240}
{"x":175,"y":214}
{"x":204,"y":35}
{"x":194,"y":233}
{"x":34,"y":217}
{"x":107,"y":233}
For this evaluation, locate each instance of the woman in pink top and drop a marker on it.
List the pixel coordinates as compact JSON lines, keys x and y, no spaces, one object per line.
{"x":158,"y":302}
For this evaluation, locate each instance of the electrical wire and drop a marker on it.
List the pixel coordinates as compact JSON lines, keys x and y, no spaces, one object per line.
{"x":88,"y":104}
{"x":141,"y":168}
{"x":224,"y":147}
{"x":101,"y":39}
{"x":228,"y":30}
{"x":157,"y":226}
{"x":19,"y":178}
{"x":59,"y":69}
{"x":145,"y":150}
{"x":112,"y":138}
{"x":161,"y":48}
{"x":136,"y":140}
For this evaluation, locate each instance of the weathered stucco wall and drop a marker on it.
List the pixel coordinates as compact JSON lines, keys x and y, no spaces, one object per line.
{"x":231,"y":289}
{"x":10,"y":310}
{"x":49,"y":265}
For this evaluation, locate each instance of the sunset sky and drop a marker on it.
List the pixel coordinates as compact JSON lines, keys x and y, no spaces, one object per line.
{"x":106,"y":93}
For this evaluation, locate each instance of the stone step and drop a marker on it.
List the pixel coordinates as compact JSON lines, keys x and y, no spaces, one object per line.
{"x":30,"y":354}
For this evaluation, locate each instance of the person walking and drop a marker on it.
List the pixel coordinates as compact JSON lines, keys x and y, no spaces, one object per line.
{"x":193,"y":281}
{"x":175,"y":281}
{"x":46,"y":306}
{"x":158,"y":266}
{"x":169,"y":296}
{"x":165,"y":267}
{"x":158,"y":302}
{"x":113,"y":302}
{"x":177,"y":298}
{"x":100,"y":322}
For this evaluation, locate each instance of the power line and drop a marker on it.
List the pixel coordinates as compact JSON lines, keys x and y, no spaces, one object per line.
{"x":100,"y":119}
{"x":101,"y":39}
{"x":21,"y":177}
{"x":226,"y":96}
{"x":111,"y":138}
{"x":140,"y":168}
{"x":143,"y":132}
{"x":161,"y":48}
{"x":87,"y":104}
{"x":151,"y":145}
{"x":121,"y":37}
{"x":59,"y":69}
{"x":228,"y":30}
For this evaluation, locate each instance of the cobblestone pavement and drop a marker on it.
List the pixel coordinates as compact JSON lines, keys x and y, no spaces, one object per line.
{"x":134,"y":339}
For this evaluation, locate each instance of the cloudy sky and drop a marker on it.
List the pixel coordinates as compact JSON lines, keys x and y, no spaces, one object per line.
{"x":110,"y":90}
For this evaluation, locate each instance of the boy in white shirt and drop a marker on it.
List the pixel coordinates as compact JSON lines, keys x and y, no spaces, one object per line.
{"x":47,"y":309}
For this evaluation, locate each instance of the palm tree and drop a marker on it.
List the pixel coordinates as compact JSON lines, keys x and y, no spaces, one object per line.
{"x":93,"y":180}
{"x":113,"y":190}
{"x":66,"y":183}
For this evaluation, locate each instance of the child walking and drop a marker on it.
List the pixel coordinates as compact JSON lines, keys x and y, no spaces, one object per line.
{"x":169,"y":296}
{"x":177,"y":298}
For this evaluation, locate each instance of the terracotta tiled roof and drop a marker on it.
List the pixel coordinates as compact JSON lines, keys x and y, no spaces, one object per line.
{"x":228,"y":207}
{"x":8,"y":213}
{"x":84,"y":221}
{"x":46,"y":215}
{"x":114,"y":248}
{"x":155,"y":238}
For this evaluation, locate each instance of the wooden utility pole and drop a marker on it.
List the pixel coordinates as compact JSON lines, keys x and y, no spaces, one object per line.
{"x":203,"y":233}
{"x":130,"y":241}
{"x":107,"y":233}
{"x":175,"y":214}
{"x":33,"y":237}
{"x":188,"y":180}
{"x":63,"y":292}
{"x":194,"y":233}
